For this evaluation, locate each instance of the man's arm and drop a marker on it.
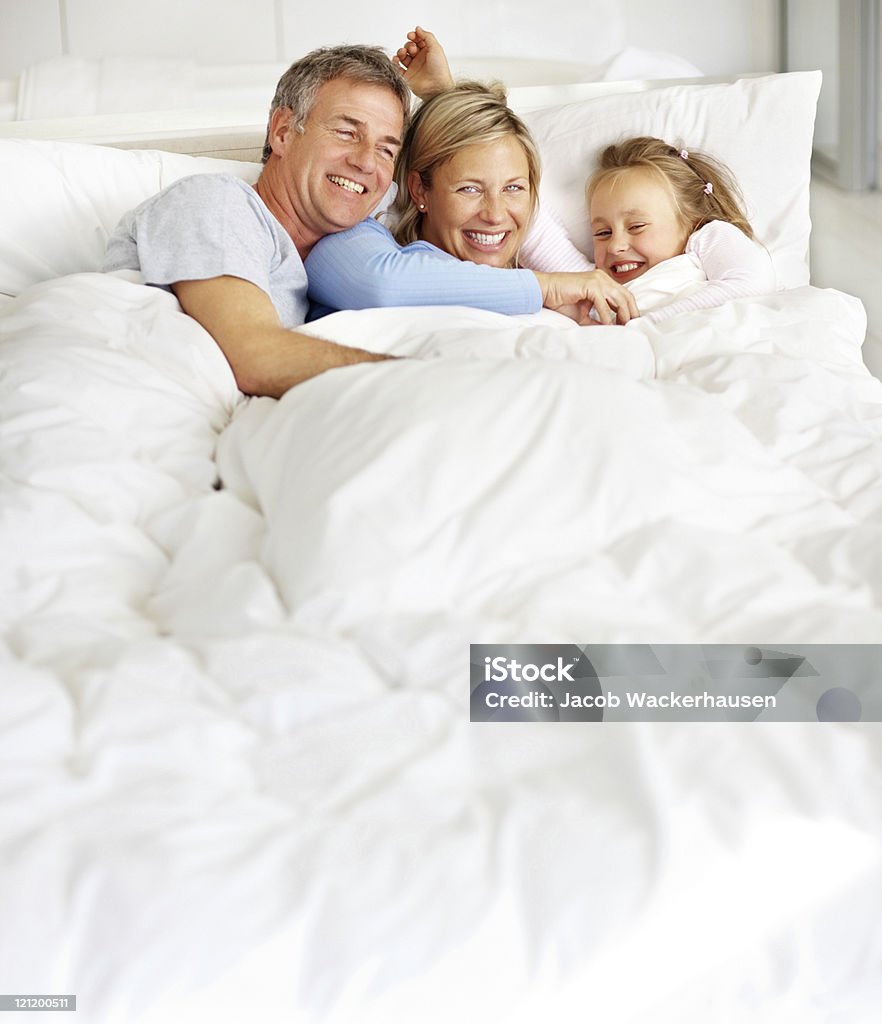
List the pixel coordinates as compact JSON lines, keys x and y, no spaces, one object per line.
{"x":265,"y":357}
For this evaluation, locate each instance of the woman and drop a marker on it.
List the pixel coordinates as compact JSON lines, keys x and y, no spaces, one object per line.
{"x":467,"y":177}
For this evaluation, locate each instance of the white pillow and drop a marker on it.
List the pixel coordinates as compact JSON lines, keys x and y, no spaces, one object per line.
{"x":59,"y":201}
{"x":761,"y":128}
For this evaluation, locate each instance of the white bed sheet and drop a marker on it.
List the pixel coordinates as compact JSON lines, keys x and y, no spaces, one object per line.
{"x":237,"y":777}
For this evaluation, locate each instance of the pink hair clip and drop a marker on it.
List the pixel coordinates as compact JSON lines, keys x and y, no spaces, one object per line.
{"x":684,"y":154}
{"x":708,"y":188}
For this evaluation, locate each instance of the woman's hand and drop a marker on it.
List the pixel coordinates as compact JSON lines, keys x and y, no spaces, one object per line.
{"x":576,"y":295}
{"x":423,"y":64}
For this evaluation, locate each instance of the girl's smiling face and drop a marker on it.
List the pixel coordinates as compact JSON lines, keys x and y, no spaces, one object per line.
{"x":635,"y":223}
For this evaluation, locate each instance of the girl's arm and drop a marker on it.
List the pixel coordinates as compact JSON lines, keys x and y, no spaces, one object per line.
{"x":736,"y":267}
{"x":548,"y":248}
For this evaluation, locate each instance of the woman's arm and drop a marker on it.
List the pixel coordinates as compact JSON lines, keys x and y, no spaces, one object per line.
{"x":365,"y":267}
{"x":735,"y":266}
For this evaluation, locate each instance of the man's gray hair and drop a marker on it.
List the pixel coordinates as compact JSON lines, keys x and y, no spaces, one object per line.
{"x":299,"y":86}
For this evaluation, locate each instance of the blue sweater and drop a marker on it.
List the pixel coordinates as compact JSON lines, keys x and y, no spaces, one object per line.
{"x":365,"y":267}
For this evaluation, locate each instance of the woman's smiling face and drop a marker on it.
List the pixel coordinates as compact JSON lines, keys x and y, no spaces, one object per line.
{"x":635,"y":223}
{"x":479,"y":204}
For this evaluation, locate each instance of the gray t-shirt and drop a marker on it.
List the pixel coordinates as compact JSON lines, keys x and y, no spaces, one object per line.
{"x":209,"y":225}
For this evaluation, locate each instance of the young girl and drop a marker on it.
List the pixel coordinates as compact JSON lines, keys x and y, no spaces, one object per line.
{"x":649,"y":202}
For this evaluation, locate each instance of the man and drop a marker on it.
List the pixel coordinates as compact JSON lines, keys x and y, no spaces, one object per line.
{"x":233,"y":254}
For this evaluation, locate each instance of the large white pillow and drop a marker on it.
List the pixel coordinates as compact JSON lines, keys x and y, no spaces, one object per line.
{"x":60,"y":200}
{"x":761,"y":128}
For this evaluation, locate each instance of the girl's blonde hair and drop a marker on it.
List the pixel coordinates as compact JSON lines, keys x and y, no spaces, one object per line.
{"x":702,"y":188}
{"x":469,"y":114}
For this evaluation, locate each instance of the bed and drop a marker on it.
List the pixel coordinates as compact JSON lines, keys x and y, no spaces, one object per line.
{"x":239,"y":777}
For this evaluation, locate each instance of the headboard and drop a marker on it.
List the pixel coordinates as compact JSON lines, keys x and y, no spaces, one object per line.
{"x":235,"y":134}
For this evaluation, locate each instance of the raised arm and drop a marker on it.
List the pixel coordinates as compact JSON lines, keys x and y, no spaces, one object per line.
{"x":423,"y":64}
{"x":265,"y":357}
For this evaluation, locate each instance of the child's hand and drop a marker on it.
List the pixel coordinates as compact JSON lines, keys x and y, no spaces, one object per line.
{"x":423,"y":64}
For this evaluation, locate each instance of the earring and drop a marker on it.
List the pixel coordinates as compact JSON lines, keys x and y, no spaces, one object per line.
{"x":422,"y":206}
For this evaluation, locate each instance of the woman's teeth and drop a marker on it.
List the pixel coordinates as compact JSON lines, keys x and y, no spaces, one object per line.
{"x":482,"y":239}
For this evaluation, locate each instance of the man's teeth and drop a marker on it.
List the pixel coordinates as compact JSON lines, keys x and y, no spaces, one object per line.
{"x":625,"y":268}
{"x":483,"y":239}
{"x":350,"y":186}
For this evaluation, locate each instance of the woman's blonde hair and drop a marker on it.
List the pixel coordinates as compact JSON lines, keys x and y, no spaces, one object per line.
{"x":469,"y":114}
{"x":701,"y":187}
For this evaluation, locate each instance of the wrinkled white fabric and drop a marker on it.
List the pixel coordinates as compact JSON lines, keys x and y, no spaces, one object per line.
{"x":237,"y":777}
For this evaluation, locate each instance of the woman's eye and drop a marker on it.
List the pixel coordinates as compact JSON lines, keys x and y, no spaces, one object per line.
{"x":345,"y":133}
{"x":515,"y":188}
{"x":469,"y":190}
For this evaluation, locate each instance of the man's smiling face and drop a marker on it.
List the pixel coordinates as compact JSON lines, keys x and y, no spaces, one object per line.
{"x":340,"y":165}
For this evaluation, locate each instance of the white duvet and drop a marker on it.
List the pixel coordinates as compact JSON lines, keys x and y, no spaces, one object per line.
{"x":715,"y":479}
{"x":237,"y":777}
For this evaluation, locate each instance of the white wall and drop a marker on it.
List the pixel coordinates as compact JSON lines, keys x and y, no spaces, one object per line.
{"x":29,"y":31}
{"x":815,"y":44}
{"x":725,"y":37}
{"x":730,"y":38}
